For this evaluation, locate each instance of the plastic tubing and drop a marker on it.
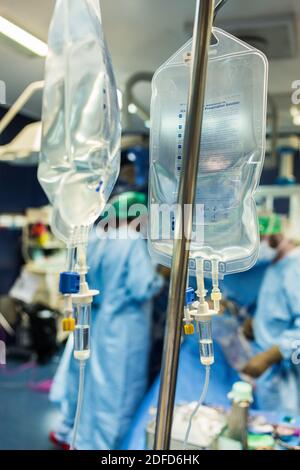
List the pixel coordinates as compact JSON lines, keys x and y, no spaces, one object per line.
{"x":70,"y":263}
{"x":200,"y":402}
{"x":79,"y":404}
{"x":215,"y":294}
{"x":201,"y":291}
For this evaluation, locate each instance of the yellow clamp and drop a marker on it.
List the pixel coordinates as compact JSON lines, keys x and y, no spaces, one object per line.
{"x":188,"y":329}
{"x":68,"y":324}
{"x":216,"y":296}
{"x":43,"y":239}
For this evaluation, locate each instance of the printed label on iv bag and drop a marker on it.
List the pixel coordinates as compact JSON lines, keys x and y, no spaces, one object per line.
{"x":221,"y":143}
{"x":219,"y":179}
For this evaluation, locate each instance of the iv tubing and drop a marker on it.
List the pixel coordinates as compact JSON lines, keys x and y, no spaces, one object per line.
{"x":79,"y":404}
{"x":216,"y":295}
{"x":201,"y":291}
{"x":200,"y":402}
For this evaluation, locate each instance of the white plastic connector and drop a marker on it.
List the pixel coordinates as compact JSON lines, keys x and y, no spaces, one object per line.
{"x":216,"y":294}
{"x":203,"y":318}
{"x":85,"y":294}
{"x":202,"y":312}
{"x":202,"y":315}
{"x":68,"y":307}
{"x":85,"y":297}
{"x":201,"y":291}
{"x":187,"y":315}
{"x":188,"y":322}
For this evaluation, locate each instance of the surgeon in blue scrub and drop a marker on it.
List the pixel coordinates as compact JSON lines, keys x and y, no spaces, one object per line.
{"x":117,"y":371}
{"x":276,"y":329}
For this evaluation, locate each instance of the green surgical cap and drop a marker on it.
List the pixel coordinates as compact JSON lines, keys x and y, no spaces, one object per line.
{"x":269,"y":224}
{"x":124,"y":202}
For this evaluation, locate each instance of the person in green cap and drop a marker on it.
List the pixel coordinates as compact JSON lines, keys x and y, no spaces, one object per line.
{"x":117,"y":372}
{"x":276,"y":325}
{"x":271,"y":356}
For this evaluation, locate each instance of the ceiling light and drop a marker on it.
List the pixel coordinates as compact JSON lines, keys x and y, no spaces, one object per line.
{"x":22,"y":37}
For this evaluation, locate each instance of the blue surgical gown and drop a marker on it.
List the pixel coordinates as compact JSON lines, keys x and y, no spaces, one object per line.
{"x":243,"y":287}
{"x":277,"y":322}
{"x":117,"y":371}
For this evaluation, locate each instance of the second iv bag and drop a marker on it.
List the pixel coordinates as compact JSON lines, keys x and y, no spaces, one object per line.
{"x":80,"y":158}
{"x":231,"y":156}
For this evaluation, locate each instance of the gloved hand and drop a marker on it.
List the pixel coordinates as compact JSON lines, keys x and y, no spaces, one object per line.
{"x":248,"y":329}
{"x":262,"y":361}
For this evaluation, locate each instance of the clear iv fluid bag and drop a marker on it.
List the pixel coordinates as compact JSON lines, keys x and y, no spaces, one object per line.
{"x":231,"y":156}
{"x":80,"y":159}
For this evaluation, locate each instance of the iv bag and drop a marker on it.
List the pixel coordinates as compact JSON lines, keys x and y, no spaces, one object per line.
{"x":80,"y":158}
{"x":231,"y":156}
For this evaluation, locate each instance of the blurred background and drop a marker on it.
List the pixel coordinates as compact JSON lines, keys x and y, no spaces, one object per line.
{"x":141,"y":35}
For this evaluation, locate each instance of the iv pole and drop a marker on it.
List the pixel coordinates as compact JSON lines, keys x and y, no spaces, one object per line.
{"x":187,"y":188}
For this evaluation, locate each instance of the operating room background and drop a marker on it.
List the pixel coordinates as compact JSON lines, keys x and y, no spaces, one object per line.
{"x":168,"y":26}
{"x":272,"y":26}
{"x":20,"y":189}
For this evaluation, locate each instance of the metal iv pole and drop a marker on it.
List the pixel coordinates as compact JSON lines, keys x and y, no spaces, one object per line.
{"x":187,"y":188}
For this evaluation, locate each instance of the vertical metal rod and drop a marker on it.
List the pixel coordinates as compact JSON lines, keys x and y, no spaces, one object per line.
{"x":187,"y":188}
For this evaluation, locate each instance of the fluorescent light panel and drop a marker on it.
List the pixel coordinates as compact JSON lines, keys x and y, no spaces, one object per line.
{"x":22,"y":37}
